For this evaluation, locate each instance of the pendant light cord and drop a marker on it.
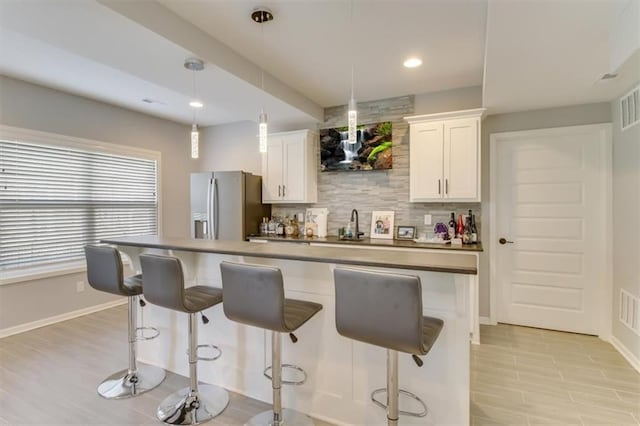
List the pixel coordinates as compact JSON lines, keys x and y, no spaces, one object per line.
{"x":352,"y":44}
{"x":262,"y":65}
{"x":193,"y":73}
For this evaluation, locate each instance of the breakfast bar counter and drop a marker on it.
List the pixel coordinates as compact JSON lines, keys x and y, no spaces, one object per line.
{"x":341,"y":372}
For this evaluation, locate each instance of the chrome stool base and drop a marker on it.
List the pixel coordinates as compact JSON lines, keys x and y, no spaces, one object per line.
{"x":289,"y":417}
{"x":181,"y":408}
{"x":122,"y":385}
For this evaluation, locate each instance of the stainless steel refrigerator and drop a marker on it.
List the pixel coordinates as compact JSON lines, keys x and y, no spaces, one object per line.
{"x":226,"y":205}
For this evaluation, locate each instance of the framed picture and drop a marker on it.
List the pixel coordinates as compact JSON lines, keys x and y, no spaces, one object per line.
{"x":406,"y":232}
{"x":372,"y":149}
{"x":382,"y":225}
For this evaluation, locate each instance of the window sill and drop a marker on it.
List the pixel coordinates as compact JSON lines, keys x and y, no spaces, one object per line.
{"x":33,"y":273}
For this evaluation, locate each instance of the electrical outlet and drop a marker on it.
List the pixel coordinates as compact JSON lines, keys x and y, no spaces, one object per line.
{"x":79,"y":286}
{"x":427,"y":219}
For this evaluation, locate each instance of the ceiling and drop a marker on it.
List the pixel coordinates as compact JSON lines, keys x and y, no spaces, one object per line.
{"x":527,"y":54}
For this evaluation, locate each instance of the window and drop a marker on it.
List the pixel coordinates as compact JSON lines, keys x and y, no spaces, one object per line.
{"x":57,"y":197}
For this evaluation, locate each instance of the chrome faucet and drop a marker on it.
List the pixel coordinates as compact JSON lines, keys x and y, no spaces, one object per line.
{"x":357,"y":233}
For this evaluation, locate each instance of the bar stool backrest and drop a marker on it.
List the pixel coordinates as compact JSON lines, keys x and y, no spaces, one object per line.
{"x":253,"y":295}
{"x":104,"y":269}
{"x":163,"y":281}
{"x":380,"y":308}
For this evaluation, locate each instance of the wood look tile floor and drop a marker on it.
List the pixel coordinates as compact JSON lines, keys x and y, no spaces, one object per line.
{"x":528,"y":376}
{"x":520,"y":376}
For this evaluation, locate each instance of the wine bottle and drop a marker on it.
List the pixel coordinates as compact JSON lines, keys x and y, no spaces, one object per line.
{"x":466,"y":238}
{"x":474,"y":229}
{"x":460,"y":227}
{"x":452,"y":226}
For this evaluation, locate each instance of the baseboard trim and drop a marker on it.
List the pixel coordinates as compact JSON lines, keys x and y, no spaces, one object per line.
{"x":6,"y":332}
{"x":635,"y":362}
{"x":487,"y":321}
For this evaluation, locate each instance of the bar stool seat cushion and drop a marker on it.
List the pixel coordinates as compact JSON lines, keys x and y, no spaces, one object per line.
{"x":106,"y":273}
{"x":384,"y":309}
{"x":254,"y":295}
{"x":201,"y":297}
{"x":431,"y":328}
{"x":297,"y":312}
{"x":164,"y":286}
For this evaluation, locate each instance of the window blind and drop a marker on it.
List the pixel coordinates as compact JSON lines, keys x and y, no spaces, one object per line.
{"x":54,"y":200}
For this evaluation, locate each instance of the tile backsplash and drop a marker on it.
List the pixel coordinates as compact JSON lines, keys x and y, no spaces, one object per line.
{"x":370,"y":191}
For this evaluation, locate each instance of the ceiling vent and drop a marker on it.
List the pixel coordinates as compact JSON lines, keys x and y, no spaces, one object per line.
{"x":630,"y":108}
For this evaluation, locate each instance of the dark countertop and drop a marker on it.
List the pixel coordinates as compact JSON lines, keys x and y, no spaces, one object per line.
{"x":446,"y":261}
{"x":373,"y":242}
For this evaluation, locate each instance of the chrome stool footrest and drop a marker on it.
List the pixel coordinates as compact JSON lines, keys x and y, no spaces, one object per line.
{"x":140,"y":333}
{"x":218,"y":353}
{"x":415,"y":397}
{"x":289,"y":382}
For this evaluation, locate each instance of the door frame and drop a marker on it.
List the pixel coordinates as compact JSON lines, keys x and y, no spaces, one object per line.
{"x":605,"y":292}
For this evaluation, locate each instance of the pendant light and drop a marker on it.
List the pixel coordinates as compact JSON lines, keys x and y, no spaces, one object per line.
{"x":352,"y":114}
{"x":260,"y":16}
{"x":194,"y":64}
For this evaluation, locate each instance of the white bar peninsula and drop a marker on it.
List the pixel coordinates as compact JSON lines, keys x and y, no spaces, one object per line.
{"x":341,"y":373}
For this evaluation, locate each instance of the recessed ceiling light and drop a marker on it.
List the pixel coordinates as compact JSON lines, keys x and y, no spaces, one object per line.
{"x":196,"y":104}
{"x":413,"y":62}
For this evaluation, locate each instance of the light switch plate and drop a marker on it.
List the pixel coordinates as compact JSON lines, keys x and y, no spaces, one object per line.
{"x":427,"y":219}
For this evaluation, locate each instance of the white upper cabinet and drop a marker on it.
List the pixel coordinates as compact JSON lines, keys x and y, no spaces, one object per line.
{"x":444,"y":157}
{"x":289,"y":169}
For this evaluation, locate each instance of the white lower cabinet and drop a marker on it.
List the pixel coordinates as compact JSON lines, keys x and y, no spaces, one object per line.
{"x":444,"y":157}
{"x":289,"y":169}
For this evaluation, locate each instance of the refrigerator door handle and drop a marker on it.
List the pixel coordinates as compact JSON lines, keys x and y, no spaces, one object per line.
{"x":207,"y":233}
{"x":214,"y":209}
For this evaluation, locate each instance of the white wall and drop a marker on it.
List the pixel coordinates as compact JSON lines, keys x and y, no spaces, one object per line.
{"x":626,"y":232}
{"x":526,"y":120}
{"x":35,"y":107}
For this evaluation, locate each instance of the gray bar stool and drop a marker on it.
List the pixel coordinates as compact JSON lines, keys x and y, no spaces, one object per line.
{"x":105,"y":273}
{"x":163,"y":279}
{"x":254,"y":295}
{"x":386,"y":310}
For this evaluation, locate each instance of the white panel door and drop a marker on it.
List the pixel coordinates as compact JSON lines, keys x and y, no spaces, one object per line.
{"x":294,"y":167}
{"x":461,"y":159}
{"x":550,"y":218}
{"x":272,"y":170}
{"x":425,"y":162}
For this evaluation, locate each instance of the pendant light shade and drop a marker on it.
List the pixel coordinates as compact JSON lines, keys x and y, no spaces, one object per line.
{"x":352,"y":120}
{"x":262,"y":129}
{"x":195,"y":140}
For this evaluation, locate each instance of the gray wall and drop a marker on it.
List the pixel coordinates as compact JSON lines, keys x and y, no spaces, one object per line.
{"x":231,"y":147}
{"x":526,"y":120}
{"x":626,"y":232}
{"x":38,"y":108}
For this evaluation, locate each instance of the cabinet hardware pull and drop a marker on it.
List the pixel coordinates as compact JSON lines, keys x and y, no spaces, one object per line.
{"x":279,"y":191}
{"x":283,"y":189}
{"x":504,"y":241}
{"x":439,"y":188}
{"x":446,"y":186}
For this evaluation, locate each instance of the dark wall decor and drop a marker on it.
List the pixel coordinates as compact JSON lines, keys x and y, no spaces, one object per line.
{"x":372,"y":151}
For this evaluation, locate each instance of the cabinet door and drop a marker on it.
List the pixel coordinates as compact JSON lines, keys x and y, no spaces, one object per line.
{"x":294,"y":167}
{"x":425,"y":162}
{"x":272,"y":170}
{"x":461,"y":145}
